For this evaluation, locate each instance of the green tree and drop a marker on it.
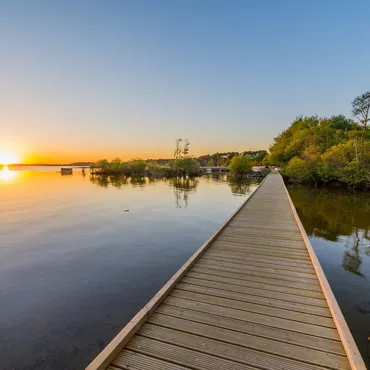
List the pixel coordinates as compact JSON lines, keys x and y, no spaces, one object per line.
{"x":186,"y":166}
{"x":241,"y":164}
{"x":137,"y":166}
{"x":186,"y":148}
{"x":116,"y":165}
{"x":300,"y":170}
{"x":360,"y":109}
{"x":178,"y":148}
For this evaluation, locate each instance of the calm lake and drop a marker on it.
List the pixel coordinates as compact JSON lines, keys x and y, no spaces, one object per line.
{"x":79,"y":256}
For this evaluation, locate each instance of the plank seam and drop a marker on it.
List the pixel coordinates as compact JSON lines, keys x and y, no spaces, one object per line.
{"x":260,"y":304}
{"x":261,"y":296}
{"x":254,"y":334}
{"x":264,"y":315}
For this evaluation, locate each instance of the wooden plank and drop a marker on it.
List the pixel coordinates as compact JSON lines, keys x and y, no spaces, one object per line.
{"x":110,"y":367}
{"x":289,"y":294}
{"x":201,"y":315}
{"x":118,"y":343}
{"x":262,"y":226}
{"x":282,"y":270}
{"x":303,"y":304}
{"x":256,"y":278}
{"x":267,"y":240}
{"x":269,"y":220}
{"x":243,"y":254}
{"x":182,"y":356}
{"x":265,"y":345}
{"x":235,"y":300}
{"x":229,"y":256}
{"x":252,"y":233}
{"x":223,"y":266}
{"x":353,"y":354}
{"x":196,"y":286}
{"x":225,"y":350}
{"x":293,"y":246}
{"x":130,"y":360}
{"x":276,"y":322}
{"x":260,"y":250}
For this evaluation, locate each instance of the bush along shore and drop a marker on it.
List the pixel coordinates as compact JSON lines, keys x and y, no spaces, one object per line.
{"x":326,"y":151}
{"x":140,"y":167}
{"x":183,"y":164}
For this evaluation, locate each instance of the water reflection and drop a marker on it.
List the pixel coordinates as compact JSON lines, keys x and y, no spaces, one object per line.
{"x":239,"y":186}
{"x":137,"y":181}
{"x":338,"y":223}
{"x":351,"y":257}
{"x":7,"y":175}
{"x":182,"y":187}
{"x":337,"y":216}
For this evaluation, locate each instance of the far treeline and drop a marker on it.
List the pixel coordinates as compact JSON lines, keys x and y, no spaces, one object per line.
{"x":335,"y":150}
{"x":182,"y":164}
{"x":313,"y":150}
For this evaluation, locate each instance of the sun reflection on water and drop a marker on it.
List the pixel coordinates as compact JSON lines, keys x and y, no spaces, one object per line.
{"x":7,"y":175}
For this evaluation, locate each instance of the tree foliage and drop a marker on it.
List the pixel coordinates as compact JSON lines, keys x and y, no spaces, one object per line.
{"x":323,"y":150}
{"x":241,"y":164}
{"x":224,"y":158}
{"x":184,"y":164}
{"x":116,"y":167}
{"x":361,"y":107}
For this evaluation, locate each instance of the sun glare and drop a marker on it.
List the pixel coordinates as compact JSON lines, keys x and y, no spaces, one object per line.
{"x":8,"y":158}
{"x":6,"y":174}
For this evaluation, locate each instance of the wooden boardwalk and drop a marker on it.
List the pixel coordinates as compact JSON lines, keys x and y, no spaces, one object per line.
{"x":252,"y":297}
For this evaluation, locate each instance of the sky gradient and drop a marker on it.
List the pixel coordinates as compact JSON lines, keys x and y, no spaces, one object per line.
{"x":81,"y":80}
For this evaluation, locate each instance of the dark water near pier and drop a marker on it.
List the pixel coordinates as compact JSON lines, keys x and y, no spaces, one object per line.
{"x":79,"y":256}
{"x":338,"y":225}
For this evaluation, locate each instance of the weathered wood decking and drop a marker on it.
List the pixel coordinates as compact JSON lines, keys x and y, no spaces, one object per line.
{"x":252,"y":297}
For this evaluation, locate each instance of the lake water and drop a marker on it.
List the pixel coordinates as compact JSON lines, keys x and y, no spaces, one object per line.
{"x":79,"y":256}
{"x":338,"y":225}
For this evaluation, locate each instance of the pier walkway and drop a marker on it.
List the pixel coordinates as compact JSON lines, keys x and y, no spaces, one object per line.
{"x":253,"y":296}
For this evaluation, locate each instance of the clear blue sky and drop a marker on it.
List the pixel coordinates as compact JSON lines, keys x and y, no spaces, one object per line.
{"x":86,"y":79}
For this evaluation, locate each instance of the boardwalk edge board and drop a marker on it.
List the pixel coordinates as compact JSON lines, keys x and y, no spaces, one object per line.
{"x":349,"y":344}
{"x":103,"y":360}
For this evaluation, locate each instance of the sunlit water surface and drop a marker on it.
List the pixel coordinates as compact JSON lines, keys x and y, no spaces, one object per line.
{"x":79,"y":256}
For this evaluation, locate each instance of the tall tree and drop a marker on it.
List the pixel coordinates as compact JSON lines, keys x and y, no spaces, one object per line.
{"x":178,"y":148}
{"x":186,"y":148}
{"x":360,"y":109}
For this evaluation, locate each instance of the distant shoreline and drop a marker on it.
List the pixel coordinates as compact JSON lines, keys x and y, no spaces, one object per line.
{"x":79,"y":164}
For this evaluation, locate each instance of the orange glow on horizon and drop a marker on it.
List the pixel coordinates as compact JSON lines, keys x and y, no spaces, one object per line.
{"x":32,"y":154}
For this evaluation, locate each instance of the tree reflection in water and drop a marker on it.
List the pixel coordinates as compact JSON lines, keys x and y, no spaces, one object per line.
{"x":118,"y":181}
{"x":182,"y":187}
{"x":338,"y":216}
{"x":138,"y":181}
{"x":240,"y":186}
{"x":351,"y":258}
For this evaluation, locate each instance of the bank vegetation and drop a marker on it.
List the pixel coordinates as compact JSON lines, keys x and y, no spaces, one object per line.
{"x":320,"y":150}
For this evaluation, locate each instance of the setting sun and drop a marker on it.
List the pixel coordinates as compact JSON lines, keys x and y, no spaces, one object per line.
{"x":8,"y":158}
